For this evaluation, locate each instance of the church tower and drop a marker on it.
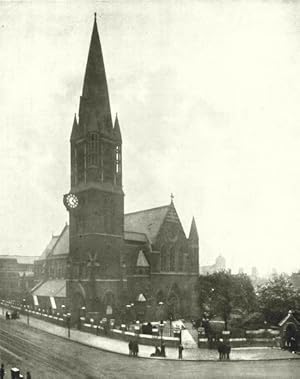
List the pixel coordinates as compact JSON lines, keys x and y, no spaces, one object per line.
{"x":96,"y":200}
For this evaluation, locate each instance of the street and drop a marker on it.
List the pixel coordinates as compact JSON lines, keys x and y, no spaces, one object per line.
{"x":48,"y":356}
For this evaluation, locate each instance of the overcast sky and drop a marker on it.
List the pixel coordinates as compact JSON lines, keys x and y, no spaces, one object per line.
{"x":208,"y":98}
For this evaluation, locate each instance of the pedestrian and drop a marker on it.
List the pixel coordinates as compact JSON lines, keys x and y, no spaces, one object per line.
{"x":130,"y":347}
{"x":135,"y":348}
{"x":293,"y":345}
{"x":28,"y":375}
{"x":157,"y":352}
{"x":163,"y":349}
{"x":180,"y":349}
{"x":2,"y":371}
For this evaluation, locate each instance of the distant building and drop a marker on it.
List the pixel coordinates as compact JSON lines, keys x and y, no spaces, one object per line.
{"x":295,"y":279}
{"x":219,"y":265}
{"x":16,"y":276}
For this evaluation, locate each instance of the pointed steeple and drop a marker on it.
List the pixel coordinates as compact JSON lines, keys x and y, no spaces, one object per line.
{"x":117,"y":131}
{"x":95,"y":91}
{"x":75,"y":129}
{"x":193,"y":231}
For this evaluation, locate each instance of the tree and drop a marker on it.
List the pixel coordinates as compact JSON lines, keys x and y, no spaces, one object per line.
{"x":277,"y":297}
{"x":220,"y":293}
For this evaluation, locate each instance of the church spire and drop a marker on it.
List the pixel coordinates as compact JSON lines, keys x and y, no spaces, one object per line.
{"x":95,"y":91}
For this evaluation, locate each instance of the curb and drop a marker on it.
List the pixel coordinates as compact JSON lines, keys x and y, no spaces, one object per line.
{"x":159,"y":358}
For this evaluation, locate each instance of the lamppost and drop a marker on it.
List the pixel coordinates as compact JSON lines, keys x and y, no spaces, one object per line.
{"x":26,"y":310}
{"x":92,"y":324}
{"x":128,"y":318}
{"x":81,"y":316}
{"x":68,"y":320}
{"x":63,"y":308}
{"x":161,"y":325}
{"x":27,"y":314}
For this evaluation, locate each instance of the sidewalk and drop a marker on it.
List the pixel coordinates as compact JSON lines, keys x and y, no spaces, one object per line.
{"x":121,"y":347}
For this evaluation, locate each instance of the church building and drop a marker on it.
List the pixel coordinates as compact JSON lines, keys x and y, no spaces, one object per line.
{"x":104,"y":259}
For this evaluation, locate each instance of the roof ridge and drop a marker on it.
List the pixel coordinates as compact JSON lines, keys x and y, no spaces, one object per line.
{"x":146,"y":210}
{"x":58,"y":238}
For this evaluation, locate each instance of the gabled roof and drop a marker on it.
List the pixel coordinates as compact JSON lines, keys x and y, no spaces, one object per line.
{"x":141,"y":298}
{"x":62,"y":245}
{"x":147,"y":222}
{"x":142,"y":260}
{"x":58,"y":245}
{"x":290,"y":317}
{"x":49,"y":247}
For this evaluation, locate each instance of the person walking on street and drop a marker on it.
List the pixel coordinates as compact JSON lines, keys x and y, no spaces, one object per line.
{"x":180,"y":349}
{"x":163,"y":349}
{"x":130,"y":346}
{"x":135,"y":348}
{"x":2,"y":371}
{"x":28,"y":375}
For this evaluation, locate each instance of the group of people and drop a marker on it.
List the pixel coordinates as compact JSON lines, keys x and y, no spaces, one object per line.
{"x":159,"y":352}
{"x":12,"y":316}
{"x":2,"y":373}
{"x":224,"y":350}
{"x":133,"y":348}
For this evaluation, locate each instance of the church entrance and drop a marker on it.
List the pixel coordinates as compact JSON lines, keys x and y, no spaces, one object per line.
{"x":173,"y":304}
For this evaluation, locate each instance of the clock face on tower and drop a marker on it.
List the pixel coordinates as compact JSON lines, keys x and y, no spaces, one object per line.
{"x":71,"y":201}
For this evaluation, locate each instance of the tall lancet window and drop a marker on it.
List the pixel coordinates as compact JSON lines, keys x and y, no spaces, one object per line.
{"x":118,"y":159}
{"x":80,"y":163}
{"x":107,"y":162}
{"x":93,"y":148}
{"x":118,"y":162}
{"x":172,"y":258}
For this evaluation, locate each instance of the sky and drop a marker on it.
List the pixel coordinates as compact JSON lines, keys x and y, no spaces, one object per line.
{"x":207,"y":95}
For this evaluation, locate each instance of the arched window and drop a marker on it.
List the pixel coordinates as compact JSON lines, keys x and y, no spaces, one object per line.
{"x":80,"y":163}
{"x":172,"y":258}
{"x":180,"y":260}
{"x":118,"y":159}
{"x":163,"y":258}
{"x":107,"y":159}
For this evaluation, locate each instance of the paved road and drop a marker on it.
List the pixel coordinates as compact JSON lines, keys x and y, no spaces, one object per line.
{"x":48,"y":356}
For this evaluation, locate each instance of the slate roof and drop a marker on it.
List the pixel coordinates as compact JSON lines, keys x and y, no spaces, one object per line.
{"x":61,"y":246}
{"x":148,"y":221}
{"x":49,"y":247}
{"x":142,"y":226}
{"x":55,"y":288}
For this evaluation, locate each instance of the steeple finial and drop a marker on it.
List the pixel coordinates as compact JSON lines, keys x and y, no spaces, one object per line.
{"x":172,"y":197}
{"x":193,"y":231}
{"x":117,"y":130}
{"x":95,"y":15}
